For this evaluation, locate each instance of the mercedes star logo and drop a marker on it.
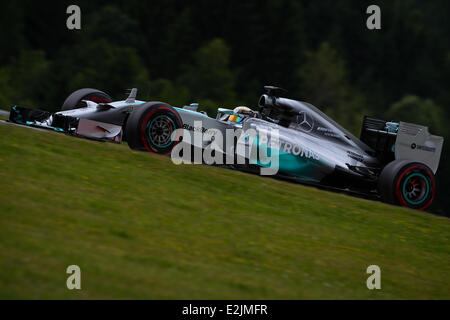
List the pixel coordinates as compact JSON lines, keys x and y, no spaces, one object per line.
{"x":305,"y":121}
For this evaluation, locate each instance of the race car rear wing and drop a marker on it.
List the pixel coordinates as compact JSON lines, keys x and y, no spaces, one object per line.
{"x":416,"y":143}
{"x":402,"y":140}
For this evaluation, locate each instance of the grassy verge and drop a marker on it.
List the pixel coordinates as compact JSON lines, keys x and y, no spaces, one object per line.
{"x":140,"y":227}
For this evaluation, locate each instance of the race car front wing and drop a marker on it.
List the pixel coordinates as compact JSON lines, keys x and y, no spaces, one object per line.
{"x":81,"y":127}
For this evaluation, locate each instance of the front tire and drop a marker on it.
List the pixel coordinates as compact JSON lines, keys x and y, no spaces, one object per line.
{"x":150,"y":126}
{"x":74,"y":100}
{"x":406,"y":183}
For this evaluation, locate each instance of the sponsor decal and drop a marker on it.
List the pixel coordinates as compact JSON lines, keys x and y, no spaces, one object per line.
{"x":192,"y":128}
{"x":327,"y":132}
{"x":298,"y":150}
{"x":426,"y":148}
{"x":419,"y":147}
{"x":207,"y":132}
{"x":305,"y":122}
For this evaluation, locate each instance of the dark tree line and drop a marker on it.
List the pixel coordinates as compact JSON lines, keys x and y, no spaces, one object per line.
{"x":221,"y":53}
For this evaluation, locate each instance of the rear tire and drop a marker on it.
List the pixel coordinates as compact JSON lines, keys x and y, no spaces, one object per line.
{"x":74,"y":100}
{"x":406,"y":183}
{"x":150,"y":126}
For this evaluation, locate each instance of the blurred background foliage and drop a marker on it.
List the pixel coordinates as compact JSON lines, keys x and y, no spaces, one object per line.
{"x":222,"y":53}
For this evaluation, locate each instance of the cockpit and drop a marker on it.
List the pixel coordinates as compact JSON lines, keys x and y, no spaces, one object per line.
{"x":305,"y":118}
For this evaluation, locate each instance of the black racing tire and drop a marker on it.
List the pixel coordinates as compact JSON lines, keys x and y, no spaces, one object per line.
{"x":73,"y":101}
{"x":149,"y":127}
{"x":407,"y":183}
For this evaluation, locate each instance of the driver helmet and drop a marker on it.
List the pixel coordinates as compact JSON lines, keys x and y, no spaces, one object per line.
{"x":239,"y":113}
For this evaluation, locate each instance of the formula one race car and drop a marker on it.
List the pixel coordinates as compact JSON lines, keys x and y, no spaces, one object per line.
{"x":394,"y":161}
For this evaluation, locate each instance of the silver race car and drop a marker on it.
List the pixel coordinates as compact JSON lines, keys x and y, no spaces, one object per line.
{"x":394,"y":161}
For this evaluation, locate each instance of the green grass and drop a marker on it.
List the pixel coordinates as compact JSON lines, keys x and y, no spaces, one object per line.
{"x":141,"y":227}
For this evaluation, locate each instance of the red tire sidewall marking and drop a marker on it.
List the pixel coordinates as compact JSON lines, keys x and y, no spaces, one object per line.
{"x":144,"y":123}
{"x":399,"y":194}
